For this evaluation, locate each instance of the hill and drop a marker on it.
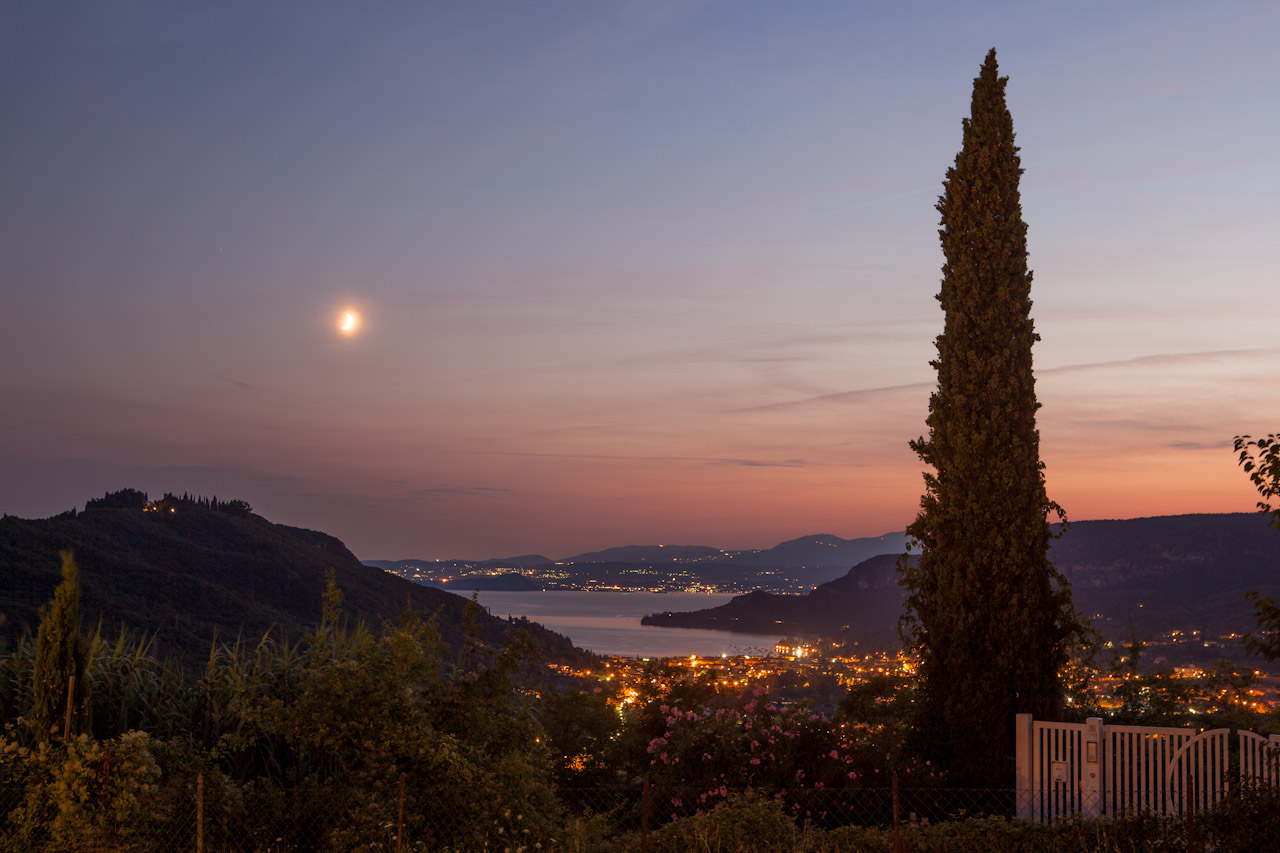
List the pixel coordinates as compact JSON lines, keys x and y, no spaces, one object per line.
{"x":824,"y":551}
{"x":187,"y":570}
{"x":1184,"y":573}
{"x":647,"y":554}
{"x":789,"y":567}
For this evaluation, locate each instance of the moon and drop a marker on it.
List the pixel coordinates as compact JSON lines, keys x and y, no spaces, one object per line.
{"x":349,"y":323}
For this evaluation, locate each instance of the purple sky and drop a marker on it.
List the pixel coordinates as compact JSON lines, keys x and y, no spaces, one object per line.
{"x":628,"y":272}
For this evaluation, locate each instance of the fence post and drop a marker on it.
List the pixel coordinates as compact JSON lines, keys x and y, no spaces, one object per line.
{"x":644,"y":817}
{"x":897,"y":836}
{"x":1092,"y":775}
{"x":199,"y":813}
{"x":400,"y":820}
{"x":1192,"y":844}
{"x":71,"y":692}
{"x":1023,"y":734}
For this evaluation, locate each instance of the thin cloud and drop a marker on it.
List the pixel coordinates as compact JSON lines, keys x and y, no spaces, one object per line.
{"x":1157,"y":360}
{"x":445,"y":492}
{"x":838,"y":397}
{"x":1199,"y":445}
{"x":757,"y":463}
{"x":621,"y":457}
{"x":1165,"y":359}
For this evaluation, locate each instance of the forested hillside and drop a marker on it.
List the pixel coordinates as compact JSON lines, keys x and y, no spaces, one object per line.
{"x":184,"y":569}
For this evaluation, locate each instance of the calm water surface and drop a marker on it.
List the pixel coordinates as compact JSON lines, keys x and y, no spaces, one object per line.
{"x":608,"y":623}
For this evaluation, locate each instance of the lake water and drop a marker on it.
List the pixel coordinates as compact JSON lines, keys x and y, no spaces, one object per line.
{"x":608,"y":623}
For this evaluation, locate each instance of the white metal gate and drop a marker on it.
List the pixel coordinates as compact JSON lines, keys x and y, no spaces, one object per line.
{"x":1094,"y":770}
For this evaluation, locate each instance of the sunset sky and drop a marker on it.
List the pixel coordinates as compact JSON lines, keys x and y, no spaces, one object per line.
{"x":626,"y":272}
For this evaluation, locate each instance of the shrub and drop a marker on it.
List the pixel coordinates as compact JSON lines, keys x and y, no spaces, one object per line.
{"x":743,"y":823}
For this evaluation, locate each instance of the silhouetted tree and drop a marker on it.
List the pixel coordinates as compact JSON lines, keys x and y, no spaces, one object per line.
{"x":1260,"y":458}
{"x":988,"y":614}
{"x":60,"y":656}
{"x":123,"y":499}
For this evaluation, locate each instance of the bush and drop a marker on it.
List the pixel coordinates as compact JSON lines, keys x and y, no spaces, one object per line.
{"x":744,"y":823}
{"x":83,"y":794}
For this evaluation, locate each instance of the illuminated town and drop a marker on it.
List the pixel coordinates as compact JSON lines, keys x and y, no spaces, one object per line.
{"x":714,"y":574}
{"x":803,"y":664}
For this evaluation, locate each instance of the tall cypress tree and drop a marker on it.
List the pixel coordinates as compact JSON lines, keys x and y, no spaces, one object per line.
{"x":61,"y":655}
{"x":988,"y":615}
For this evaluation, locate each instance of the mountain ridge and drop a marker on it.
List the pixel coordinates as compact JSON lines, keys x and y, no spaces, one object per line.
{"x":182,"y":571}
{"x":1157,"y":573}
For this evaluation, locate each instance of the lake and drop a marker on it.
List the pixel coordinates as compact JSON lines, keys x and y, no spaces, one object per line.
{"x":608,"y":623}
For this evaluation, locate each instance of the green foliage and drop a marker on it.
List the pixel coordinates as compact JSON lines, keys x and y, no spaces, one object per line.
{"x":581,"y":730}
{"x":754,"y":823}
{"x":879,"y":701}
{"x":1239,"y":823}
{"x":989,"y":616}
{"x":83,"y":794}
{"x":1260,"y":458}
{"x":132,"y":689}
{"x":1266,"y":642}
{"x":60,"y":689}
{"x":744,"y":823}
{"x":702,"y":754}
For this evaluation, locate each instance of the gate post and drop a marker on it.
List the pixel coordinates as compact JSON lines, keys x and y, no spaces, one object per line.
{"x":1091,"y":774}
{"x":1024,"y":748}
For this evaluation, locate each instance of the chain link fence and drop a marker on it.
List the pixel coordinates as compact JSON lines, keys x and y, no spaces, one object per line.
{"x":221,"y":817}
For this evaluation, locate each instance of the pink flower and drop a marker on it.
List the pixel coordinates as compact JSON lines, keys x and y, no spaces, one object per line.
{"x":835,"y":754}
{"x":755,"y":761}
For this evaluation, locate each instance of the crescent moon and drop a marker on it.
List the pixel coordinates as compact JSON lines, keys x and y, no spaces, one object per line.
{"x":348,"y":321}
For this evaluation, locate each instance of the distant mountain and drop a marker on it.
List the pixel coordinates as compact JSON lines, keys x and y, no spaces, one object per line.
{"x":184,"y":571}
{"x":824,"y":551}
{"x":647,"y":553}
{"x":867,"y":600}
{"x":400,"y":566}
{"x":1173,"y":572}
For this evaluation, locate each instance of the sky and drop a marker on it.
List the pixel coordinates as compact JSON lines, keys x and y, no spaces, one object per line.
{"x":626,"y":272}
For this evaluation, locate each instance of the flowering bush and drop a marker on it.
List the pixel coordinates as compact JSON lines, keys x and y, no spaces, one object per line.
{"x":752,"y":742}
{"x":81,"y":792}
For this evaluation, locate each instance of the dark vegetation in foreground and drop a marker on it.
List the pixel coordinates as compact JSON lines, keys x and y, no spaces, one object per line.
{"x":308,"y":746}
